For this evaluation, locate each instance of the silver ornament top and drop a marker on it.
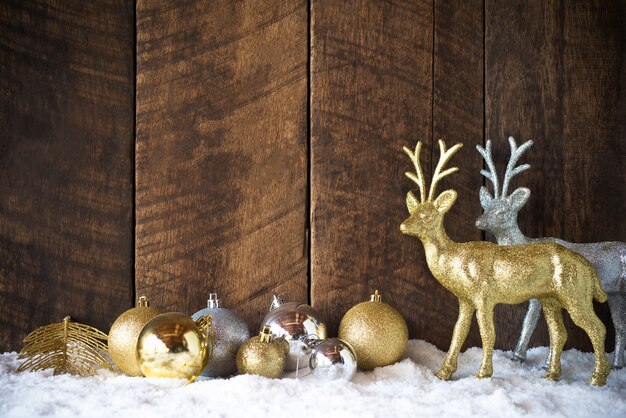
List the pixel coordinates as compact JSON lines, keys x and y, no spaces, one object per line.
{"x":277,"y":301}
{"x":213,"y":301}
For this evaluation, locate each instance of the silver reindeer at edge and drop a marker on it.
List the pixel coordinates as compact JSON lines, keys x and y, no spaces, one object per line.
{"x":500,"y":218}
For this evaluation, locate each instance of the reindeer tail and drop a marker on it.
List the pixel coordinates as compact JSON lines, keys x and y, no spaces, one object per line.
{"x":598,"y":292}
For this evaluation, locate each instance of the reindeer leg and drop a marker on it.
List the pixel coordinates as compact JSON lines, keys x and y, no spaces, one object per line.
{"x":617,"y":305}
{"x":484,"y":315}
{"x":558,"y":336}
{"x":584,"y":316}
{"x":466,"y":310}
{"x":528,"y":327}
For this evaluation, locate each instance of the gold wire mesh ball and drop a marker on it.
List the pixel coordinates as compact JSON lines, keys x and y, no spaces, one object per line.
{"x":124,"y":334}
{"x":376,"y":331}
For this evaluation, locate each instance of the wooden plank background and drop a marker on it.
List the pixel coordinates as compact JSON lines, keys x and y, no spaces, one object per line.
{"x":268,"y":143}
{"x":66,"y":155}
{"x":367,"y":60}
{"x":221,"y":153}
{"x":553,"y":75}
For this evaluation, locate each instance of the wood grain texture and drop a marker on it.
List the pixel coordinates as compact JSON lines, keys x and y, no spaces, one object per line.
{"x":553,"y":74}
{"x":66,"y":138}
{"x":458,"y":106}
{"x":371,"y":93}
{"x":221,"y":166}
{"x":594,"y":152}
{"x":221,"y":163}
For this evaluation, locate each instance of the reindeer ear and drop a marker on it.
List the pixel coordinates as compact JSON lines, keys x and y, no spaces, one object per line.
{"x":445,"y":200}
{"x":519,"y":197}
{"x":485,"y":197}
{"x":411,"y":202}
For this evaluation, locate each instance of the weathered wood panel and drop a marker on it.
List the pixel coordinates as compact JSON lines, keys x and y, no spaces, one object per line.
{"x":553,"y":74}
{"x":371,"y":93}
{"x":221,"y":153}
{"x":458,"y":109}
{"x":221,"y":165}
{"x":66,"y":151}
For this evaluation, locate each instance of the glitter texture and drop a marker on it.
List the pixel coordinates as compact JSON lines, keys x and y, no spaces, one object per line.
{"x":230,"y":332}
{"x":124,"y":334}
{"x":262,"y":355}
{"x":482,"y":274}
{"x":500,"y":218}
{"x":376,"y":331}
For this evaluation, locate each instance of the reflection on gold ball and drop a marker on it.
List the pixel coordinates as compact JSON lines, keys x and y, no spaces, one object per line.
{"x":171,"y":345}
{"x":262,"y":355}
{"x":377,"y":332}
{"x":124,"y":334}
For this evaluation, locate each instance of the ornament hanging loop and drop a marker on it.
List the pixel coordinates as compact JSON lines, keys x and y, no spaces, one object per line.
{"x":265,"y":336}
{"x":308,"y":343}
{"x":376,"y":297}
{"x":277,"y":300}
{"x":142,"y":302}
{"x":213,"y":301}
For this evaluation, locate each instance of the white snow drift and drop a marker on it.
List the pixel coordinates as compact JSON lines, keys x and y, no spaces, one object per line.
{"x":405,"y":389}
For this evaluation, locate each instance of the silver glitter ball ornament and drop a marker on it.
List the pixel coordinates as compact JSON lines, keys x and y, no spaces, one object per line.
{"x":294,"y":322}
{"x":230,"y":332}
{"x":332,"y":359}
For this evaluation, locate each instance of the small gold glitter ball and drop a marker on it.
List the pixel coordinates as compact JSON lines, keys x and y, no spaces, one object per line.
{"x":172,"y":345}
{"x":124,"y":334}
{"x":377,"y":332}
{"x":263,"y":355}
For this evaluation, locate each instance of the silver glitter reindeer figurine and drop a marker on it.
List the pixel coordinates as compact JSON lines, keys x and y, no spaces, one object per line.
{"x":500,"y":218}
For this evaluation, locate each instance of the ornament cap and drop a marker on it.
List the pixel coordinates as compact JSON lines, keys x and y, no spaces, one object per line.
{"x":213,"y":302}
{"x":265,"y":336}
{"x":277,"y":301}
{"x":142,"y":302}
{"x":309,"y":342}
{"x":376,"y":297}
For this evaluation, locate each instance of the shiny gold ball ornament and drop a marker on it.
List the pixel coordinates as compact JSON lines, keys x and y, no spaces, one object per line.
{"x":376,"y":331}
{"x":124,"y":334}
{"x":174,"y":345}
{"x":263,"y":355}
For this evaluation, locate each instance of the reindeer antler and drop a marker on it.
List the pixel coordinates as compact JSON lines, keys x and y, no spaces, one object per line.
{"x":444,"y":157}
{"x":492,"y":174}
{"x":511,"y":170}
{"x":419,"y":179}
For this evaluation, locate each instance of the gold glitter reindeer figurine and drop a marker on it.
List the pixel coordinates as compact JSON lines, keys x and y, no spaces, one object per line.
{"x":482,"y":274}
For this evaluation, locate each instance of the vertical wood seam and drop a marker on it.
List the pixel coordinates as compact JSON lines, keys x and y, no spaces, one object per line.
{"x":483,"y":234}
{"x":308,"y":203}
{"x":133,"y":255}
{"x":432,"y":89}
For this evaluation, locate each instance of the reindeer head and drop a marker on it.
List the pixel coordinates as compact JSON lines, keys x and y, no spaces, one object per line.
{"x":501,"y":210}
{"x":426,"y":213}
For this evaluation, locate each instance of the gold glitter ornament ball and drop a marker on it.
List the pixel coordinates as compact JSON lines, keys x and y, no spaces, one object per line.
{"x":377,"y":332}
{"x":263,"y":355}
{"x":124,"y":334}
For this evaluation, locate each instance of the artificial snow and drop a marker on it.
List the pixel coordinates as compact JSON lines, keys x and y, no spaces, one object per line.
{"x":405,"y":389}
